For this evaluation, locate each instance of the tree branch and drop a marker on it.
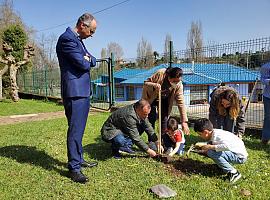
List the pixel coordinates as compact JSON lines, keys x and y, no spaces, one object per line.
{"x":3,"y":61}
{"x":4,"y":70}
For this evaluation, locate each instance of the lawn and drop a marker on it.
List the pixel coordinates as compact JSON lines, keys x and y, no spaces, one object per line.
{"x":33,"y":166}
{"x":8,"y":107}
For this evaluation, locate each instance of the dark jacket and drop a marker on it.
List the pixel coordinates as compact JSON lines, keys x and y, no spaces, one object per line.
{"x":225,"y":121}
{"x":125,"y":120}
{"x":75,"y":69}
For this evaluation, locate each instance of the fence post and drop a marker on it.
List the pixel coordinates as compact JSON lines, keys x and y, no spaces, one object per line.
{"x":24,"y":87}
{"x":171,"y":53}
{"x":112,"y":72}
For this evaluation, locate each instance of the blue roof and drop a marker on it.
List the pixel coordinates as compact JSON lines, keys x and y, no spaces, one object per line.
{"x":201,"y":74}
{"x":128,"y":73}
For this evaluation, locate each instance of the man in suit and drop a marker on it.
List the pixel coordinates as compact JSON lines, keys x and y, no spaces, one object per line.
{"x":75,"y":63}
{"x":125,"y":126}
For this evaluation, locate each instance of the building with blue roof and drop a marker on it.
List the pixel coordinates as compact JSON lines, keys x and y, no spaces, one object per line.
{"x":199,"y":80}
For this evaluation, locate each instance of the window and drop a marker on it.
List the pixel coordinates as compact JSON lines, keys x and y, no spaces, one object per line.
{"x":198,"y":94}
{"x":130,"y":93}
{"x":119,"y":92}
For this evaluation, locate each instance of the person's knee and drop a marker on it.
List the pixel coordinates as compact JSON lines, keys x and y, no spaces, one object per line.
{"x":213,"y":154}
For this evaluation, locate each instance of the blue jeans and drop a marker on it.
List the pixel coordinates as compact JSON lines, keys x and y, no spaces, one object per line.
{"x":121,"y":140}
{"x":224,"y":158}
{"x":266,"y":123}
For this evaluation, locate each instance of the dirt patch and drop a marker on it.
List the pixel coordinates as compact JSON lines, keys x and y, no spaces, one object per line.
{"x":188,"y":166}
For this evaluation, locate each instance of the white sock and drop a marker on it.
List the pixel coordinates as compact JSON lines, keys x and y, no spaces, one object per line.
{"x":233,"y":171}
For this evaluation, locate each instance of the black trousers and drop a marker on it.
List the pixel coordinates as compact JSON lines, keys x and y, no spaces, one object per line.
{"x":164,"y":113}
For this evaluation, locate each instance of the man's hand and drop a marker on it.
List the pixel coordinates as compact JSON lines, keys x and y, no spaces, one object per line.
{"x":185,"y":128}
{"x":200,"y":144}
{"x":151,"y":152}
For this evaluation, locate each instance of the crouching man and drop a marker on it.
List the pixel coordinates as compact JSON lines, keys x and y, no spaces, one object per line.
{"x":125,"y":126}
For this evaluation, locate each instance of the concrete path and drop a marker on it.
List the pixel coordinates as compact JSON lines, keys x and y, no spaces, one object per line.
{"x":30,"y":117}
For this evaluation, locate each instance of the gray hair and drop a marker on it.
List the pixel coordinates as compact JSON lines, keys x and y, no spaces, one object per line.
{"x":86,"y":18}
{"x":141,"y":104}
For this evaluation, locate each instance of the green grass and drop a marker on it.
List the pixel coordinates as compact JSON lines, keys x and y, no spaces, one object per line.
{"x":33,"y":160}
{"x":8,"y":107}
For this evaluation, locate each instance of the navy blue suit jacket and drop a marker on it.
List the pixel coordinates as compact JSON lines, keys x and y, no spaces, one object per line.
{"x":75,"y":68}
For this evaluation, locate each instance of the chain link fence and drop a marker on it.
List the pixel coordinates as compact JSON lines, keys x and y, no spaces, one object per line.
{"x":44,"y":82}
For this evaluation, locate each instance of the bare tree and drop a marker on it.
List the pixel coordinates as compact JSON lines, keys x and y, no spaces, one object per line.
{"x":103,"y":53}
{"x":45,"y":56}
{"x":103,"y":65}
{"x":8,"y":15}
{"x":150,"y":59}
{"x":115,"y":48}
{"x":195,"y":41}
{"x":145,"y":55}
{"x":167,"y":47}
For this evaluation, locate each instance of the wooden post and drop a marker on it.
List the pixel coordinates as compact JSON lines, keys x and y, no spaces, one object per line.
{"x":159,"y":121}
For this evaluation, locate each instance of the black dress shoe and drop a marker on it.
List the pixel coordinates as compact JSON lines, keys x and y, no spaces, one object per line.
{"x":89,"y":164}
{"x":78,"y":177}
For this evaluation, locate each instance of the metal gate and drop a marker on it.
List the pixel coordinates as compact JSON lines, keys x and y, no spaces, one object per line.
{"x":102,"y":84}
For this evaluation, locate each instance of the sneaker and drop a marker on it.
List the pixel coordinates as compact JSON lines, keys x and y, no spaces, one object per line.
{"x":126,"y":150}
{"x":116,"y":154}
{"x":234,"y":176}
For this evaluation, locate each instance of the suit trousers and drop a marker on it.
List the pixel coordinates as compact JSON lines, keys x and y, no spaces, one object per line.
{"x":266,"y":123}
{"x":76,"y":110}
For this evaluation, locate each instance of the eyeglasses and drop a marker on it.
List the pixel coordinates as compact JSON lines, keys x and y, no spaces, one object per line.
{"x":92,"y":31}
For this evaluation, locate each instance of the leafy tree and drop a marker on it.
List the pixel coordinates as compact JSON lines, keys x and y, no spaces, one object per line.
{"x":16,"y":54}
{"x":7,"y":17}
{"x":16,"y":38}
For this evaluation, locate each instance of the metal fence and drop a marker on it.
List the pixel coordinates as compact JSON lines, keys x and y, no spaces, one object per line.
{"x":236,"y":64}
{"x":44,"y":82}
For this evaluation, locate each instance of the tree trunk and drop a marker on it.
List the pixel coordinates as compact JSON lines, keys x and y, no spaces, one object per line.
{"x":13,"y":83}
{"x":2,"y":72}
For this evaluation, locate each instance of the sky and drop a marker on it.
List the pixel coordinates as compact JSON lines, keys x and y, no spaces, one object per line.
{"x":223,"y":21}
